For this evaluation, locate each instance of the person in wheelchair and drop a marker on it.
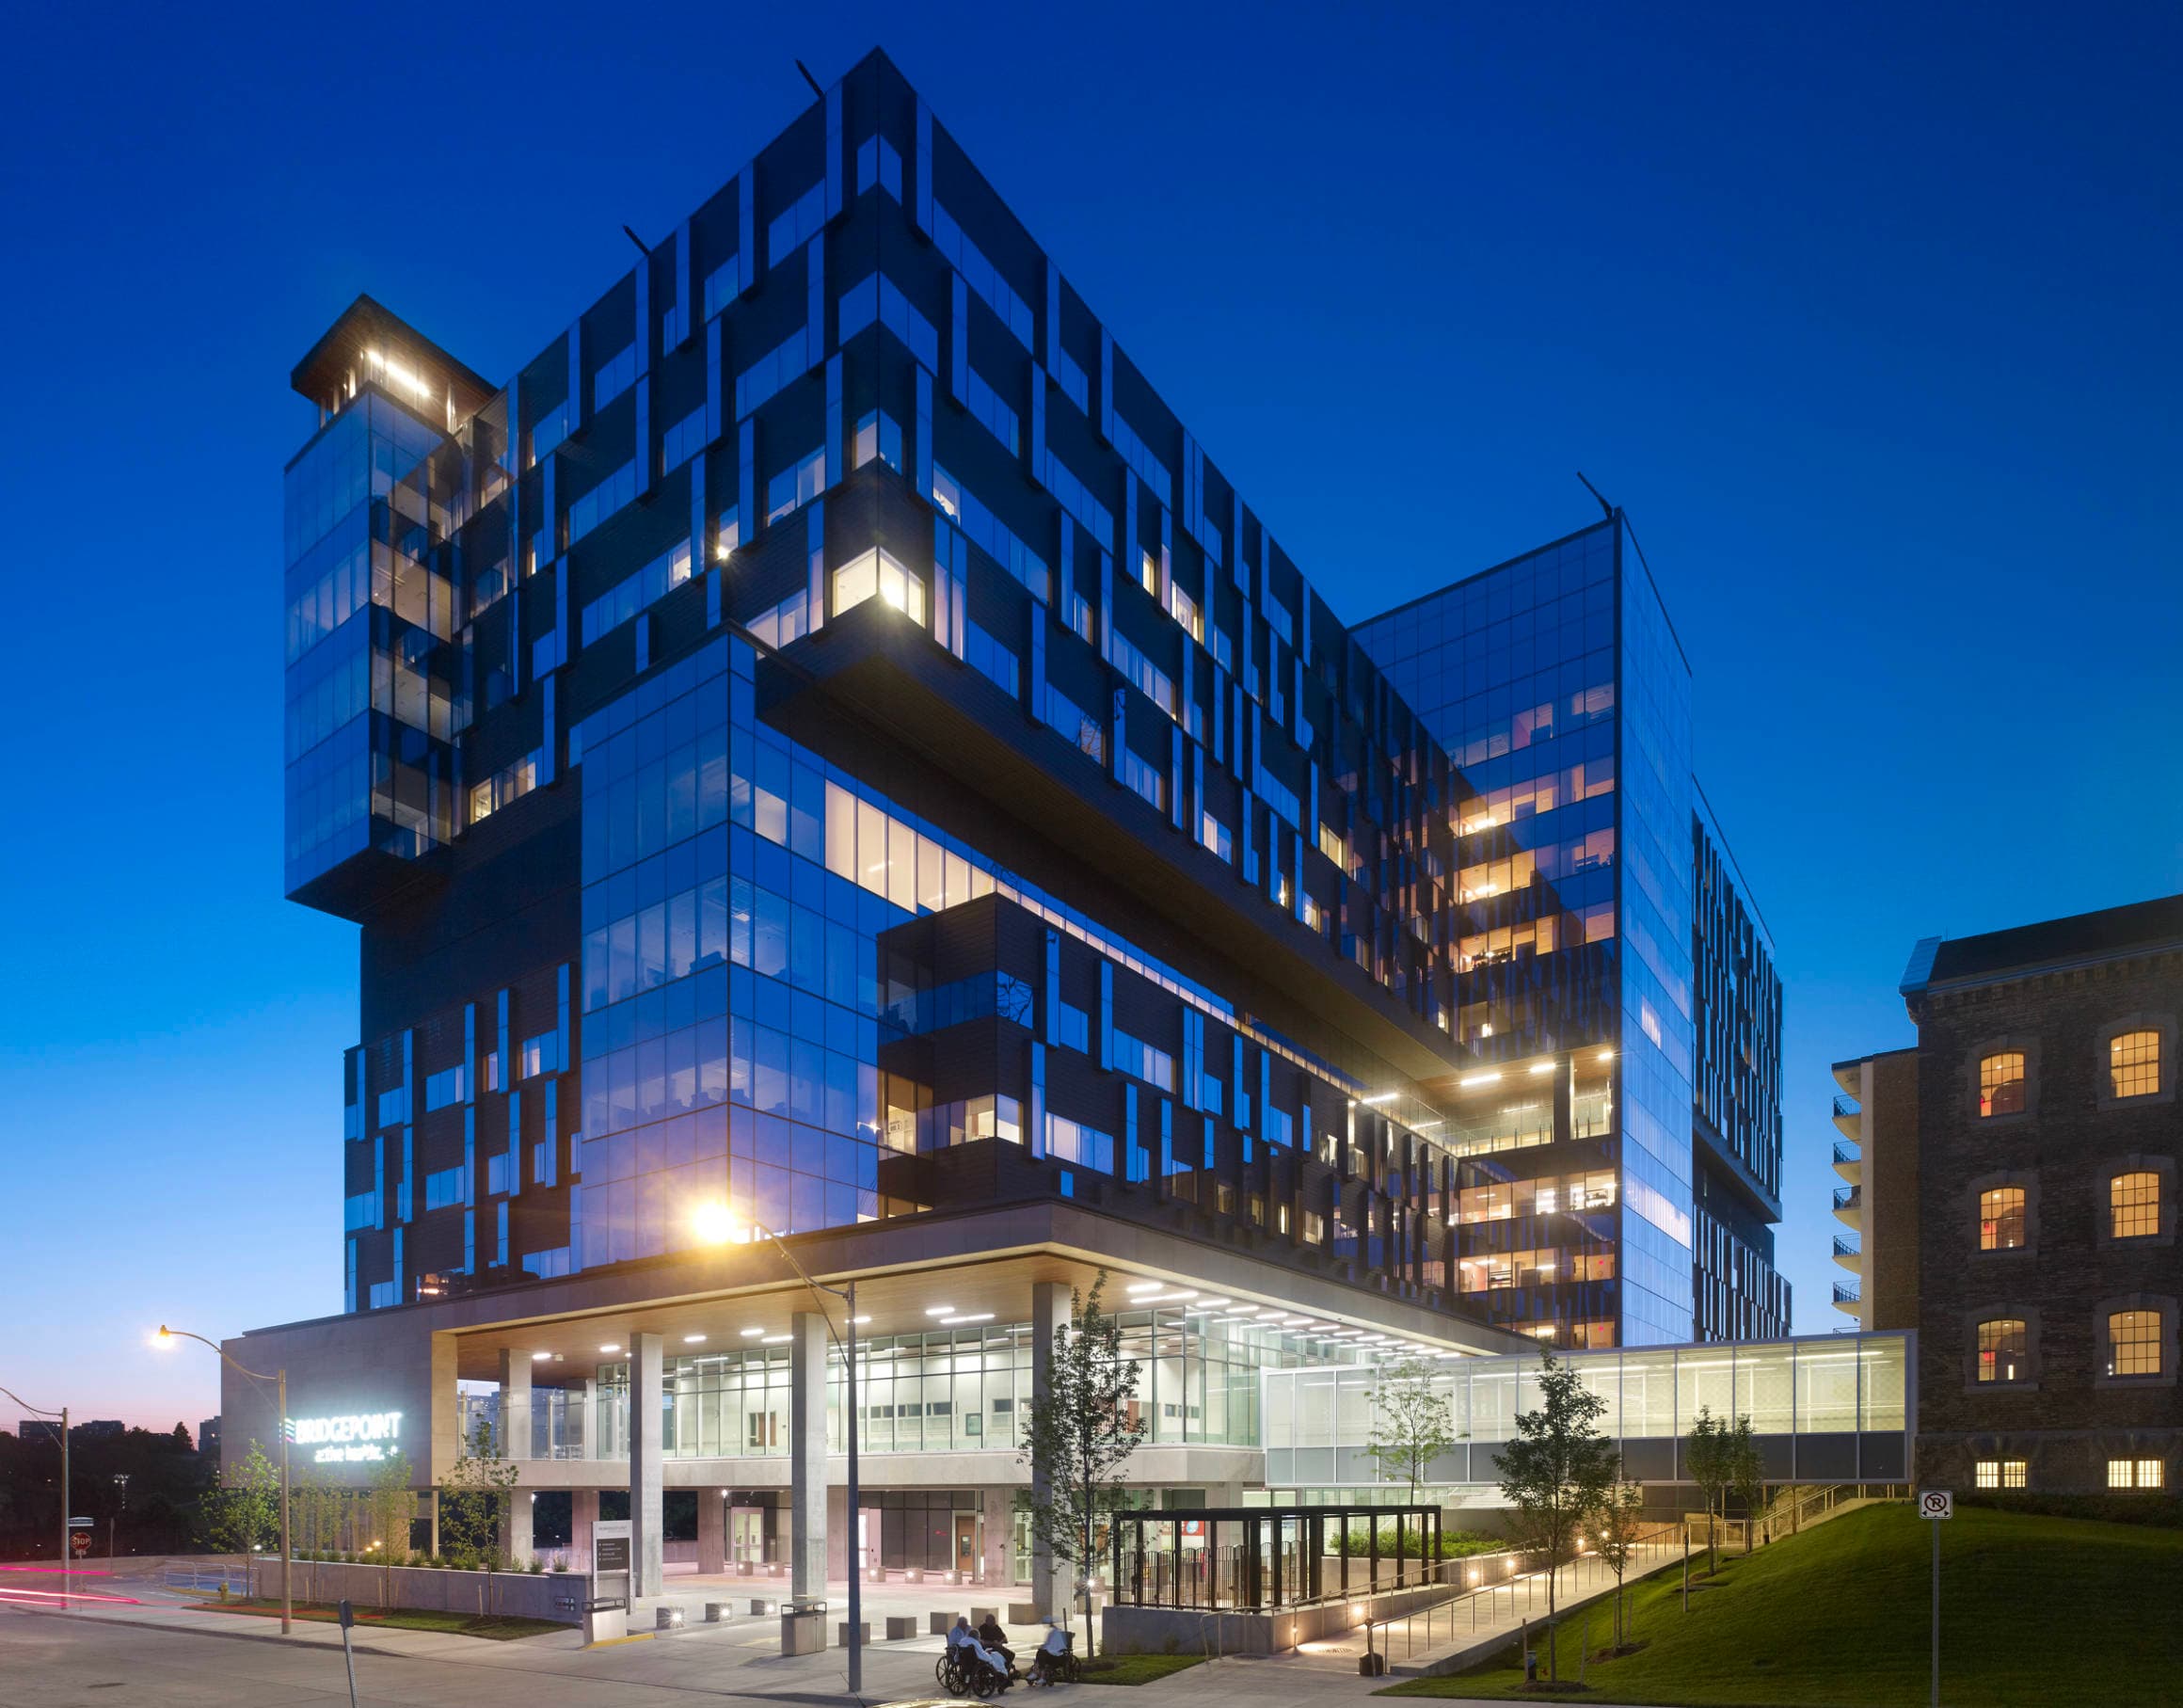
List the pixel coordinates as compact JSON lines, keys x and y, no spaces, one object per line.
{"x":967,"y":1651}
{"x":1052,"y":1659}
{"x":995,"y":1638}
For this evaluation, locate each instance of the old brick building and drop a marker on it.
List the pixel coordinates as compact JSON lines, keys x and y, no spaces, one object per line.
{"x":2046,"y":1278}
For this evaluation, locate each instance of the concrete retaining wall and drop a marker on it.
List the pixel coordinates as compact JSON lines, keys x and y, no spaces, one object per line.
{"x":427,"y":1589}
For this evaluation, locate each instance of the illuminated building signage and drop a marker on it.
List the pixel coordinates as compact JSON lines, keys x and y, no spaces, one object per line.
{"x":359,"y":1438}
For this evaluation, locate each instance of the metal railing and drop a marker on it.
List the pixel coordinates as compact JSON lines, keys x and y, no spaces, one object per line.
{"x":1845,"y":1152}
{"x":1845,"y":1248}
{"x":1472,"y":1612}
{"x":1848,"y":1197}
{"x":1846,"y":1106}
{"x":1847,"y":1292}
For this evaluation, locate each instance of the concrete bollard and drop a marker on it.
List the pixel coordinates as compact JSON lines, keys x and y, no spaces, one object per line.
{"x":1023,"y":1613}
{"x":667,"y":1618}
{"x":761,"y":1606}
{"x":899,"y":1625}
{"x":841,"y":1632}
{"x":717,"y":1611}
{"x":980,"y":1615}
{"x":939,"y":1624}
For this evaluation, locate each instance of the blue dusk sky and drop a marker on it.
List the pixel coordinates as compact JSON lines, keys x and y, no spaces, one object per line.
{"x":1866,"y":313}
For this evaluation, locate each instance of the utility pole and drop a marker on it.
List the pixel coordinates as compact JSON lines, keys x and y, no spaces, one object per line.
{"x":63,"y":1415}
{"x":114,"y":1517}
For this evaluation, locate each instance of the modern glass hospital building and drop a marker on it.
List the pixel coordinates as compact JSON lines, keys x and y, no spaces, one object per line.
{"x":821,"y":748}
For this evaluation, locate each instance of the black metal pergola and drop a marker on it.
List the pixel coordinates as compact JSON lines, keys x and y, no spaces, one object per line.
{"x":1259,"y":1559}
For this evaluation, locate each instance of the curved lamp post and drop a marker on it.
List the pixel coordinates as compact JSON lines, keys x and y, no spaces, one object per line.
{"x":62,"y":1415}
{"x":717,"y":1227}
{"x":279,"y":1379}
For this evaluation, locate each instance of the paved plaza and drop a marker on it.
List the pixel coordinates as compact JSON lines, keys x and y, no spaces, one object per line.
{"x":133,"y":1634}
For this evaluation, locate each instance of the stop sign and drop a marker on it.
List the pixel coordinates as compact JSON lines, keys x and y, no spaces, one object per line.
{"x":81,"y":1541}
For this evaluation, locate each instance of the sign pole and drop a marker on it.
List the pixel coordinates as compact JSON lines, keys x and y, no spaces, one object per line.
{"x":1936,"y":1506}
{"x":1936,"y":1616}
{"x":348,"y":1617}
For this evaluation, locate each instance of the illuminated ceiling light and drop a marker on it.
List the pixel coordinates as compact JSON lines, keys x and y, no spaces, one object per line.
{"x":948,"y":1322}
{"x":1605,"y":1055}
{"x":776,"y":1340}
{"x":941,"y":1310}
{"x":1490,"y":1078}
{"x":540,"y":1357}
{"x":1382,"y":1098}
{"x":860,"y":1321}
{"x":610,"y":1347}
{"x":1143,"y":1288}
{"x":752,"y":1333}
{"x":693,"y":1340}
{"x":1542,"y":1067}
{"x":1209,"y":1305}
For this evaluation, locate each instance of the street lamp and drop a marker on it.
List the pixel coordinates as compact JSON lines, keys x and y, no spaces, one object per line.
{"x":716,"y":1225}
{"x":279,"y":1378}
{"x":114,"y":1517}
{"x":62,"y":1415}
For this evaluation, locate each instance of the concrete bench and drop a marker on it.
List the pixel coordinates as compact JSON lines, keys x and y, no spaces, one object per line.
{"x":899,"y":1625}
{"x":939,"y":1624}
{"x":841,"y":1632}
{"x":667,"y":1618}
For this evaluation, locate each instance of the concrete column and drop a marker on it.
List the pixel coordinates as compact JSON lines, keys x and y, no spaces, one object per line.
{"x":807,"y":1456}
{"x":646,"y":1473}
{"x":516,"y":1402}
{"x":999,"y":1535}
{"x":712,"y":1530}
{"x":1053,"y":1581}
{"x":515,"y":1527}
{"x":582,"y":1514}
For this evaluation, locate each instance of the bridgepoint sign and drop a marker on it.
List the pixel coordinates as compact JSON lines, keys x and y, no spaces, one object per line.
{"x":360,"y":1438}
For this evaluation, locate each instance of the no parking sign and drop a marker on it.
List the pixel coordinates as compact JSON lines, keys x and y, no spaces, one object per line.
{"x":1935,"y":1503}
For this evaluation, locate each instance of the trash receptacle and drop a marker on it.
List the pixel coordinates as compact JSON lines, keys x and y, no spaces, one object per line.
{"x":803,"y":1628}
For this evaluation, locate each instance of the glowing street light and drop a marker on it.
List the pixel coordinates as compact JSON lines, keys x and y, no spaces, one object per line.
{"x":165,"y":1339}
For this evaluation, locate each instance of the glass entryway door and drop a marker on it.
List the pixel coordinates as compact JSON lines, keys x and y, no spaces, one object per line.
{"x":746,"y":1536}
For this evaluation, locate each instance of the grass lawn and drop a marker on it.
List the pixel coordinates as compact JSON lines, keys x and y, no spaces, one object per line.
{"x":498,"y":1627}
{"x":1136,"y":1668}
{"x":2033,"y":1610}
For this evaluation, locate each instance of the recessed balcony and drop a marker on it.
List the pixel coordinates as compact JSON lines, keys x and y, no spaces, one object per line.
{"x":1848,"y":1255}
{"x":1848,"y":1163}
{"x":1849,"y":1120}
{"x":1849,"y":1204}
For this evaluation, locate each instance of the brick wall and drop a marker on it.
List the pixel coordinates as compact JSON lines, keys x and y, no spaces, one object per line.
{"x":2065,"y":1417}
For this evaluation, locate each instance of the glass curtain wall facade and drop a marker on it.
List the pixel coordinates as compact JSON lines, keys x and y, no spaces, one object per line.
{"x":1558,"y":687}
{"x":1825,"y":1407}
{"x":946,"y":1390}
{"x":833,"y":594}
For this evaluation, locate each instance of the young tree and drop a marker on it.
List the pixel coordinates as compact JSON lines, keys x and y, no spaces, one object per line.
{"x":1412,"y":1424}
{"x":1615,"y":1523}
{"x":1555,"y":1470}
{"x":469,"y":1499}
{"x":1746,"y":1468}
{"x":391,"y":1504}
{"x":243,"y":1515}
{"x":1705,"y":1461}
{"x":1081,"y":1429}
